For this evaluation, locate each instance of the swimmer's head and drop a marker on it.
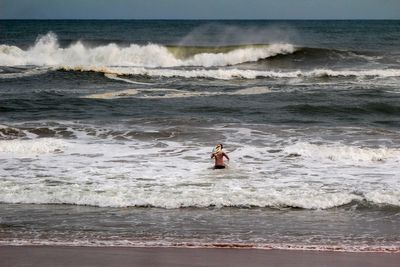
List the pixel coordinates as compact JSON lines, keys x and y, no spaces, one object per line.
{"x":218,"y":148}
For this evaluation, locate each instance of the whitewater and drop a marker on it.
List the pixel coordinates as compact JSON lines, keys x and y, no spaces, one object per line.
{"x":157,"y":174}
{"x":160,"y":60}
{"x":107,"y":129}
{"x":47,"y":52}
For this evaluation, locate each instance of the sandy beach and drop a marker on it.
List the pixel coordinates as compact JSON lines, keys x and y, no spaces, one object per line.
{"x":112,"y":256}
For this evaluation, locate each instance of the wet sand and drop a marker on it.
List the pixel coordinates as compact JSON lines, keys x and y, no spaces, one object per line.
{"x":112,"y":256}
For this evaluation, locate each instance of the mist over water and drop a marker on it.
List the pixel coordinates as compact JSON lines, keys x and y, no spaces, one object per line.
{"x":215,"y":34}
{"x":118,"y":125}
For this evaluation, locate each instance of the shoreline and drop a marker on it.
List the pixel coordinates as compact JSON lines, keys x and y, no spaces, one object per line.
{"x":234,"y":246}
{"x":162,"y":256}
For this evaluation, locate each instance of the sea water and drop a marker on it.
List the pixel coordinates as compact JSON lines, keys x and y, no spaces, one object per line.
{"x":106,"y":130}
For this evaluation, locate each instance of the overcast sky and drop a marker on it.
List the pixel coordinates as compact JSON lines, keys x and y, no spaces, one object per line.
{"x":199,"y":9}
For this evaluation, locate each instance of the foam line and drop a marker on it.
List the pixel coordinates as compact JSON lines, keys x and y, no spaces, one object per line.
{"x":173,"y":93}
{"x":235,"y":73}
{"x":115,"y":77}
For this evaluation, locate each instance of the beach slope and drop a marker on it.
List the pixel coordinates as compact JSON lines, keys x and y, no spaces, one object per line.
{"x":153,"y":257}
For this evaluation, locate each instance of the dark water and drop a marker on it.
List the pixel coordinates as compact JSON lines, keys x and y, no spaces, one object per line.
{"x":114,"y":122}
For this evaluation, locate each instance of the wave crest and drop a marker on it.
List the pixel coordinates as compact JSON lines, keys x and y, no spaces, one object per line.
{"x":47,"y":52}
{"x":121,"y":196}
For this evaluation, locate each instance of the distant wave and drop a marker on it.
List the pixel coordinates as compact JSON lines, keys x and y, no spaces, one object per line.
{"x":156,"y":60}
{"x":232,"y":73}
{"x":47,"y":52}
{"x":329,"y":54}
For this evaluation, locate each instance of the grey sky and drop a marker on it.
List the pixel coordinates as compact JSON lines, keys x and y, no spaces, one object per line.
{"x":200,"y":9}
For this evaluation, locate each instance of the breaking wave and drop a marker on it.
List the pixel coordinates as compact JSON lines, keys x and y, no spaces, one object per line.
{"x":47,"y":52}
{"x":123,"y":196}
{"x":157,"y":60}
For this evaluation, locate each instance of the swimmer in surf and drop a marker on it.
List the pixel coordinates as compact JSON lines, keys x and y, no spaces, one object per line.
{"x":218,"y":156}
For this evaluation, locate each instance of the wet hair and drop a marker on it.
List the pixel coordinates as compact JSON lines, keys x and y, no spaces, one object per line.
{"x":222,"y":146}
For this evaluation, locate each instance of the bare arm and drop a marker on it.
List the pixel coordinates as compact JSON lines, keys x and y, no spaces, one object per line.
{"x":226,"y":156}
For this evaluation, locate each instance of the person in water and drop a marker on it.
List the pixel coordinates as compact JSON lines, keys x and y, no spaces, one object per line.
{"x":218,"y":155}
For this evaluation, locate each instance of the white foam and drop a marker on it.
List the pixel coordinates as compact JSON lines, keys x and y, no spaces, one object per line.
{"x":384,"y":73}
{"x":113,"y":94}
{"x":155,"y":93}
{"x":384,"y":196}
{"x":162,"y":93}
{"x":235,"y":73}
{"x":221,"y":73}
{"x":31,"y":147}
{"x":345,"y":153}
{"x":47,"y":52}
{"x":11,"y":56}
{"x":153,"y":59}
{"x":242,"y":55}
{"x":258,"y":90}
{"x":165,"y":243}
{"x":168,"y":171}
{"x":124,"y":193}
{"x":115,"y":77}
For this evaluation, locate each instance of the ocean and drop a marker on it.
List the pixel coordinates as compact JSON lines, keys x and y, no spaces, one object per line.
{"x":107,"y":127}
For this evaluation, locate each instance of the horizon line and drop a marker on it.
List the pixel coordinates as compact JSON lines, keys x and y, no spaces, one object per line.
{"x":204,"y":19}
